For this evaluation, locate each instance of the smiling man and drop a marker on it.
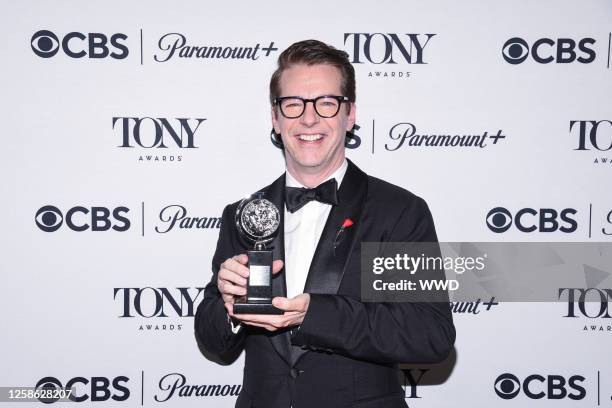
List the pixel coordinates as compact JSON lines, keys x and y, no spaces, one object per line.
{"x":313,"y":133}
{"x":328,"y":349}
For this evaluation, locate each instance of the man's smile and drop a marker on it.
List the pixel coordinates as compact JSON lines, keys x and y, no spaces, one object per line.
{"x":309,"y":138}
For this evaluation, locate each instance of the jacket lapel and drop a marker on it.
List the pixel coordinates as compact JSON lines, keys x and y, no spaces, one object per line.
{"x":330,"y":258}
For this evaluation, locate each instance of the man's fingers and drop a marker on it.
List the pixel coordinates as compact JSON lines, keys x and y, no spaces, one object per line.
{"x":297,"y":303}
{"x":282,"y":303}
{"x":232,"y":278}
{"x":241,"y":258}
{"x":228,"y":288}
{"x":265,"y":326}
{"x":235,"y":265}
{"x":236,"y":279}
{"x":271,"y":322}
{"x":255,"y":319}
{"x":238,"y":263}
{"x":277,"y":266}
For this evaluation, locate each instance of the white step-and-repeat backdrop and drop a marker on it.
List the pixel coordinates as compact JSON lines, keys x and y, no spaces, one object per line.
{"x":127,"y":127}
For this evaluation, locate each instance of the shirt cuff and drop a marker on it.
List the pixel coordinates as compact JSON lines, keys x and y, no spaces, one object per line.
{"x":293,"y":332}
{"x":235,"y":327}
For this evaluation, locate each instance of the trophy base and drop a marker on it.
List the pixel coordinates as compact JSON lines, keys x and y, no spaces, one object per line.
{"x":243,"y":307}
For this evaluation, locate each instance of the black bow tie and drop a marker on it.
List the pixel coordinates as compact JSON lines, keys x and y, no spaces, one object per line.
{"x":296,"y":197}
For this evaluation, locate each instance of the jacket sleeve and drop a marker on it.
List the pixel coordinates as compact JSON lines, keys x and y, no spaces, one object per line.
{"x":212,"y":327}
{"x":393,"y":332}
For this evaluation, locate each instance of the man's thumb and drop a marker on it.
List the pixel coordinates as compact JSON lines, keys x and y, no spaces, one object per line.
{"x":277,"y":266}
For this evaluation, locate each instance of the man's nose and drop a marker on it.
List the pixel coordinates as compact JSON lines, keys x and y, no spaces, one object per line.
{"x":310,"y":116}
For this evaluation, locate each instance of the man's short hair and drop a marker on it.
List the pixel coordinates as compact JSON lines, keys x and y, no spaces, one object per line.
{"x":313,"y":52}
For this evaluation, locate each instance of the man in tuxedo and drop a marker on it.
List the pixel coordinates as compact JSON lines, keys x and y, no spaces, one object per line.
{"x":328,"y":349}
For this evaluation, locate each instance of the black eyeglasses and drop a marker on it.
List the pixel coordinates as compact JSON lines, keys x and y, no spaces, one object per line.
{"x":326,"y":106}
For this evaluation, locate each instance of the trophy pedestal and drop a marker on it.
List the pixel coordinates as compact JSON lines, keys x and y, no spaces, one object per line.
{"x":265,"y":307}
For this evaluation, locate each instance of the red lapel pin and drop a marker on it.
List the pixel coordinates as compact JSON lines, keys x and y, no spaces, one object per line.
{"x":346,"y":224}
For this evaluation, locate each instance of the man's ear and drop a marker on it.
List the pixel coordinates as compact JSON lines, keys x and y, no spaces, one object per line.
{"x":275,"y":121}
{"x":352,"y":116}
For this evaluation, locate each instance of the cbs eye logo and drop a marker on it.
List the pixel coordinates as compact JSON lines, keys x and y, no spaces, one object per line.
{"x":49,"y":218}
{"x":49,"y":384}
{"x":507,"y":386}
{"x":515,"y":50}
{"x":499,"y":219}
{"x":46,"y":44}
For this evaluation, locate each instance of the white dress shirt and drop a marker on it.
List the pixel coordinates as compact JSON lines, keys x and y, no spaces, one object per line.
{"x":303,"y":229}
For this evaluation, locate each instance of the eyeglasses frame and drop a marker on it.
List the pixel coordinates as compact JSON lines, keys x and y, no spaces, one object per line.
{"x":338,"y":98}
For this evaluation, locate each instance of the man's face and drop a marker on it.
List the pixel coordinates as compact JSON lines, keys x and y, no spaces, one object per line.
{"x":313,"y":145}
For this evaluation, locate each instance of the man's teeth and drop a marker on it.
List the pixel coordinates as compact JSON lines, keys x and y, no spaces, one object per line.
{"x":310,"y":138}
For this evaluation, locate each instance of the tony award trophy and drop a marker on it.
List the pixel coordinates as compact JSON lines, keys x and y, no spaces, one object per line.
{"x":257,"y":220}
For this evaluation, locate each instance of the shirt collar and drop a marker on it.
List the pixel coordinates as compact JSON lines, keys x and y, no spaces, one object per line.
{"x":338,"y":175}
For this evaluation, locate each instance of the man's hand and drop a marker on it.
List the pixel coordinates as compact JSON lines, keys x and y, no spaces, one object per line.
{"x":295,"y":310}
{"x":232,"y":278}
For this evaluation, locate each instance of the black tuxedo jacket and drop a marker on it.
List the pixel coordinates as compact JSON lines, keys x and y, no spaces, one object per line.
{"x":345,"y":353}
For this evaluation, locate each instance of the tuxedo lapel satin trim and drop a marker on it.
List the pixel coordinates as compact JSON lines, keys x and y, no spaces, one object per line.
{"x":331,"y":256}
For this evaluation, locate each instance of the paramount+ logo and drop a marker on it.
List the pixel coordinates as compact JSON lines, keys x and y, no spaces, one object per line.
{"x":50,"y":218}
{"x":547,"y":50}
{"x":47,"y":44}
{"x":527,"y":220}
{"x":535,"y":386}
